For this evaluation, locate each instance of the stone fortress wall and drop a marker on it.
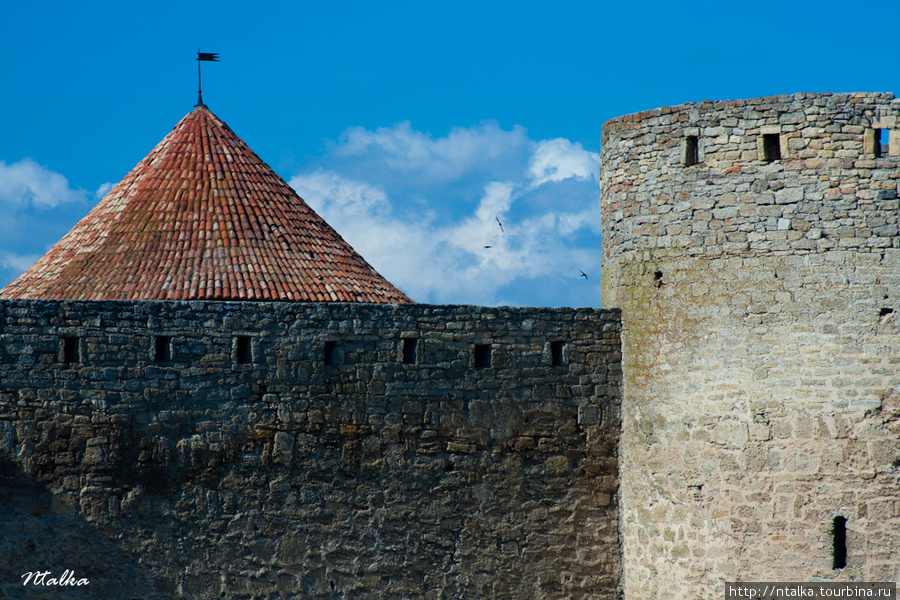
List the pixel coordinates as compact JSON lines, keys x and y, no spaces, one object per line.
{"x":753,"y":249}
{"x":292,"y":450}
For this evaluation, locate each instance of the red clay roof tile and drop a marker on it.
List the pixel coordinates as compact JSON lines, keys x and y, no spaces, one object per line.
{"x":203,"y":218}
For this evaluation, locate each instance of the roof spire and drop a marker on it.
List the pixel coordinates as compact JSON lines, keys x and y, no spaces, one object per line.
{"x":202,"y":217}
{"x":201,"y":56}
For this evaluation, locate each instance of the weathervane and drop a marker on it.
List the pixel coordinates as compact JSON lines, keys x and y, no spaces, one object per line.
{"x":201,"y":56}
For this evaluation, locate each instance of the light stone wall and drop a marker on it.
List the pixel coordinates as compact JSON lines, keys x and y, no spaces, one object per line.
{"x":285,"y":477}
{"x":761,"y":341}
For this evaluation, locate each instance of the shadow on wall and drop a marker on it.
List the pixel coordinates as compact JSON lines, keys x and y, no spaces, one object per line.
{"x":65,"y":555}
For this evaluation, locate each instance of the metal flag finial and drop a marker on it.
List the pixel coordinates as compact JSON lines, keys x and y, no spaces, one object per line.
{"x":203,"y":56}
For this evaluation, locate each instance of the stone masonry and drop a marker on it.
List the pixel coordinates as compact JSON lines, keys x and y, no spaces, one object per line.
{"x":288,"y":450}
{"x":753,"y":249}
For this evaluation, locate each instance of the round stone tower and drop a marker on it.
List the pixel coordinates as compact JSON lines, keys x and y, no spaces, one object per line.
{"x":753,"y":248}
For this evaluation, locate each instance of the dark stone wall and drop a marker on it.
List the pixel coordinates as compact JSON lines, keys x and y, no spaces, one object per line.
{"x":159,"y":467}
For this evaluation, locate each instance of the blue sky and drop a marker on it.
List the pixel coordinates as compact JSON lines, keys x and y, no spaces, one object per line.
{"x":412,"y":127}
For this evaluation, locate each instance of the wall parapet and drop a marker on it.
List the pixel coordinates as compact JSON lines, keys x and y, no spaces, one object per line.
{"x":160,"y":455}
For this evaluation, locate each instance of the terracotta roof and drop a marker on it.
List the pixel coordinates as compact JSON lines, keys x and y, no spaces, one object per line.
{"x":203,"y":218}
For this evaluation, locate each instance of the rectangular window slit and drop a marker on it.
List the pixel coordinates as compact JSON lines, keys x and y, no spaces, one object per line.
{"x":332,"y":353}
{"x":242,"y":351}
{"x":839,"y":535}
{"x":482,"y":356}
{"x":696,"y":492}
{"x":691,"y":150}
{"x":876,"y":142}
{"x":409,"y":351}
{"x":71,"y":350}
{"x":162,"y":348}
{"x":771,"y":147}
{"x":556,"y":353}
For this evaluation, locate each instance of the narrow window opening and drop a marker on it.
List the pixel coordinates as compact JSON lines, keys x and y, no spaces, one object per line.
{"x":332,"y":353}
{"x":696,"y":492}
{"x":880,"y":148}
{"x":658,"y":279}
{"x":162,"y":348}
{"x":556,"y":353}
{"x":482,"y":356}
{"x":242,"y":353}
{"x":409,"y":351}
{"x":839,"y":534}
{"x":71,"y":351}
{"x":771,"y":147}
{"x":691,"y":150}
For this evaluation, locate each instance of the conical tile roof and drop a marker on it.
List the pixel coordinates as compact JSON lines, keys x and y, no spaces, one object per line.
{"x":203,"y":218}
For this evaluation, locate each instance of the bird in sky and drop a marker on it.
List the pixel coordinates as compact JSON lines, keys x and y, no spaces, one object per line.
{"x":583,"y":274}
{"x":488,"y":246}
{"x":499,"y":223}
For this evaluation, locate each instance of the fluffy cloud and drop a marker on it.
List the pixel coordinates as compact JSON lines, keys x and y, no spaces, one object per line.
{"x":352,"y":197}
{"x":103,"y":190}
{"x":17,"y":262}
{"x":28,"y":183}
{"x":560,"y":159}
{"x":462,"y":152}
{"x":480,"y":216}
{"x":37,"y":206}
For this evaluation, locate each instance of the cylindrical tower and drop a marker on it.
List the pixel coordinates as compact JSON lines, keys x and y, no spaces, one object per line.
{"x":753,"y":248}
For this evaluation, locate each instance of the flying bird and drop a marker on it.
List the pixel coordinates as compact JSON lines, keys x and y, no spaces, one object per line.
{"x":583,"y":274}
{"x":488,"y":246}
{"x":499,"y":223}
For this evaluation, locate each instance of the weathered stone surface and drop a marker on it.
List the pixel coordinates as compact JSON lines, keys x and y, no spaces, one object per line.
{"x":284,"y":477}
{"x":759,"y":350}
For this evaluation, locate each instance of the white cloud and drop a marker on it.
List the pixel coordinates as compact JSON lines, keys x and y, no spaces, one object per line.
{"x":559,"y":159}
{"x":17,"y":262}
{"x":498,"y":197}
{"x":402,"y":149}
{"x":103,"y":190}
{"x":440,"y":247}
{"x":353,"y":197}
{"x":28,"y":183}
